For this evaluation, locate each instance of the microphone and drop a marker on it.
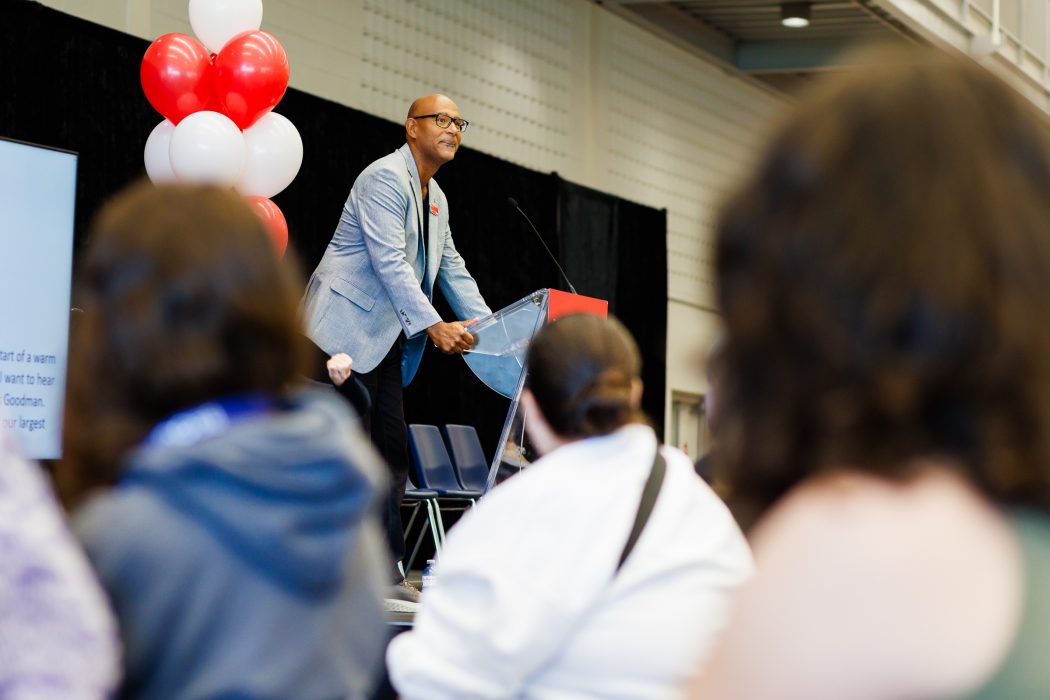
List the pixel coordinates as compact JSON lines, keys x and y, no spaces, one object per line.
{"x":514,"y":204}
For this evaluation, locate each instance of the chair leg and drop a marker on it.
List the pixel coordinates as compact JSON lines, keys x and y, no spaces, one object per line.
{"x":435,"y":534}
{"x":437,"y":528}
{"x":440,"y":523}
{"x":415,"y":547}
{"x":407,"y":563}
{"x":412,"y":518}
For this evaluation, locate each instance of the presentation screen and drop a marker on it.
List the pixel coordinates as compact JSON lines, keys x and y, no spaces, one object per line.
{"x":37,"y":193}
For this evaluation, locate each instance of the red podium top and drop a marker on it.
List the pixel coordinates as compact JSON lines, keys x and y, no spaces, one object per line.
{"x":562,"y":304}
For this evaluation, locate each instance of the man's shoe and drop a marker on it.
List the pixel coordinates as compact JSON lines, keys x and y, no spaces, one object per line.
{"x":404,"y":591}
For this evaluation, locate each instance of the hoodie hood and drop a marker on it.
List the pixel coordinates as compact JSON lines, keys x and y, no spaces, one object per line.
{"x":284,"y":491}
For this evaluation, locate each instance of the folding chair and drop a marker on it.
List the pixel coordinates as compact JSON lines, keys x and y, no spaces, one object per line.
{"x":468,"y":457}
{"x":434,"y":470}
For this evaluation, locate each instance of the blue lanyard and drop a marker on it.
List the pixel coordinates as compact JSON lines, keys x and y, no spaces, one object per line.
{"x":207,"y":420}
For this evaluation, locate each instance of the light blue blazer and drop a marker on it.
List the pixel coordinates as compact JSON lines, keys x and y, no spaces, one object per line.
{"x":371,"y":283}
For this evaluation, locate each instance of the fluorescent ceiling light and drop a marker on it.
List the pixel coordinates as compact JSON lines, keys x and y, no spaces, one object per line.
{"x":795,"y":14}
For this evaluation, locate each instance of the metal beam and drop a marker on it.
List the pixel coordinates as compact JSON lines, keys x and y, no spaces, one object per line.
{"x":791,"y":56}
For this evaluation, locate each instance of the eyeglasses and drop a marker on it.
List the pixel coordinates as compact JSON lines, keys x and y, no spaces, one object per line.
{"x":443,"y":120}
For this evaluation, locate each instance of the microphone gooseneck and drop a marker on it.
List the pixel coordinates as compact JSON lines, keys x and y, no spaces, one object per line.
{"x":514,"y":204}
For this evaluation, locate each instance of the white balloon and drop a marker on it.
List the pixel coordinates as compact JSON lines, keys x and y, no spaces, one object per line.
{"x":274,"y":153}
{"x":207,"y":147}
{"x":217,"y":21}
{"x":156,"y":154}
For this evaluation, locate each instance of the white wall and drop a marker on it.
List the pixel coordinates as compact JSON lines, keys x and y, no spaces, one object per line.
{"x":1019,"y":54}
{"x":554,"y":85}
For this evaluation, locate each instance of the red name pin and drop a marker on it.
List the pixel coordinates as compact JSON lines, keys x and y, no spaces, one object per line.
{"x":433,"y":210}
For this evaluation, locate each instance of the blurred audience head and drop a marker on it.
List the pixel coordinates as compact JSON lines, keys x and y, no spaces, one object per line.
{"x":584,"y":376}
{"x":184,"y":300}
{"x":884,"y":276}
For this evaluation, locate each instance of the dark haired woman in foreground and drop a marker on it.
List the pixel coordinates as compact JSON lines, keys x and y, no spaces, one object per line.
{"x":528,"y":601}
{"x":885,"y":280}
{"x":234,"y":530}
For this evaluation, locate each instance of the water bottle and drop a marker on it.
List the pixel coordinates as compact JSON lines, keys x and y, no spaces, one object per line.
{"x":428,"y":574}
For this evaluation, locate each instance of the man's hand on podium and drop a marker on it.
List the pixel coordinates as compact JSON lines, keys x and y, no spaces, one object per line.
{"x":452,"y":338}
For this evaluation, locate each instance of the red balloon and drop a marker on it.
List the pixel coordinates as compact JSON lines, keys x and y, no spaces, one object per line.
{"x":251,"y":75}
{"x":177,"y":76}
{"x":275,"y":222}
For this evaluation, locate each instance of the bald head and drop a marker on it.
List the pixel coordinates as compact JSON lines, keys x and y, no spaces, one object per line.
{"x":432,"y":104}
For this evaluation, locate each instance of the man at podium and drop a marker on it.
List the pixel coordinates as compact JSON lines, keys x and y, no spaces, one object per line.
{"x":370,"y":296}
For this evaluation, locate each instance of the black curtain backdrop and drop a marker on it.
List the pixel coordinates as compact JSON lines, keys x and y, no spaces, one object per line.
{"x":72,"y":84}
{"x":616,"y":250}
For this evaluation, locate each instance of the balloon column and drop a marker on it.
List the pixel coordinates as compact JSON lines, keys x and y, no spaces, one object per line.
{"x":217,"y":99}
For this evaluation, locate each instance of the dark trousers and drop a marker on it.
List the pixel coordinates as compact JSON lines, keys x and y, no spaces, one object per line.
{"x":386,"y":423}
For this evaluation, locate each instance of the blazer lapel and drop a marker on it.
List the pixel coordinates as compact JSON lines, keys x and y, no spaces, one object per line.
{"x":435,"y":229}
{"x":415,"y":254}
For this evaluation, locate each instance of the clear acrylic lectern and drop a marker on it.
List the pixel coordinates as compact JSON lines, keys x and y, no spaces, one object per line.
{"x":498,"y":359}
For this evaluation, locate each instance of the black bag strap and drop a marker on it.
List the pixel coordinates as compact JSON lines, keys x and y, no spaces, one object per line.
{"x":645,"y":506}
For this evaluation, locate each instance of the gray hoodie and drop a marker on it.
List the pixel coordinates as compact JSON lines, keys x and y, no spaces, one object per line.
{"x":248,"y":565}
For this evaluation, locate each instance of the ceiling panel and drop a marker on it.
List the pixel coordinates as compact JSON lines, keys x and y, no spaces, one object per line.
{"x":748,"y":34}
